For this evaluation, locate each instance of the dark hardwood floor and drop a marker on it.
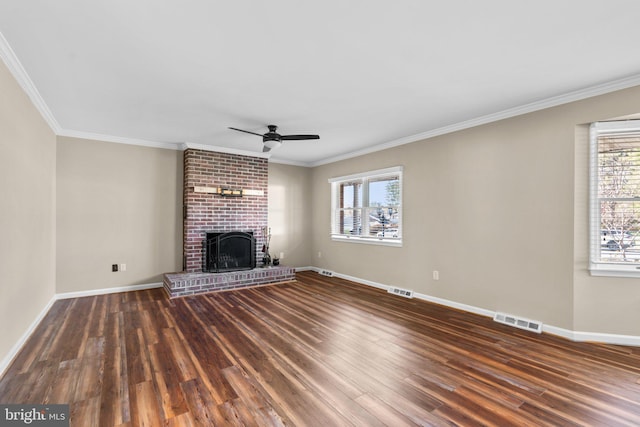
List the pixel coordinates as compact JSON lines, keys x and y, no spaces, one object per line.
{"x":318,"y":352}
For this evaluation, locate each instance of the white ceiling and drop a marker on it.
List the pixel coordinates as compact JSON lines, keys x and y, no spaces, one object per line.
{"x":364,"y":74}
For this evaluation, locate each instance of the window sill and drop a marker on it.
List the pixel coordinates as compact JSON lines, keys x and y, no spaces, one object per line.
{"x":368,"y":241}
{"x":615,"y":270}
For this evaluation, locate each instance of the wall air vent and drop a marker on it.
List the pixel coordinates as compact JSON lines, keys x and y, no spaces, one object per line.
{"x":327,"y":273}
{"x":518,"y":322}
{"x":401,"y":292}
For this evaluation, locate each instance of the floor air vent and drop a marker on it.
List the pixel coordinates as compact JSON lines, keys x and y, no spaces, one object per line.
{"x":326,"y":273}
{"x":518,"y":322}
{"x":402,"y":292}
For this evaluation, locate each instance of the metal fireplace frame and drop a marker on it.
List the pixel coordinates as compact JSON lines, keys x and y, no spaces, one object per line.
{"x":215,"y":262}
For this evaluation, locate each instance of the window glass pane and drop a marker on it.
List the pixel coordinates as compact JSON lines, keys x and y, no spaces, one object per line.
{"x":349,"y":222}
{"x":619,"y":227}
{"x":618,"y":166}
{"x":384,"y":192}
{"x":384,"y":222}
{"x":351,"y":195}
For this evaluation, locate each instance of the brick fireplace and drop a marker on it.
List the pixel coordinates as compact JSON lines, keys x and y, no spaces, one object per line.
{"x":222,"y":193}
{"x":209,"y":212}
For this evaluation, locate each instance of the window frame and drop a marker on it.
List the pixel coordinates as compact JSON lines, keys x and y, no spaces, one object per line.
{"x":598,"y":267}
{"x":364,"y":178}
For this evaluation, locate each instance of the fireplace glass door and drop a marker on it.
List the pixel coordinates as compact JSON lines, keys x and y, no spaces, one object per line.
{"x":231,"y":251}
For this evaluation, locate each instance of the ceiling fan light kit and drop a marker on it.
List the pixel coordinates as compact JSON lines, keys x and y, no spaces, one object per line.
{"x":270,"y":144}
{"x":273,"y":139}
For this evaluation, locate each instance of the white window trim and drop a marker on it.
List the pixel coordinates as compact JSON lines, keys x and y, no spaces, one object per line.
{"x":397,"y":170}
{"x":596,"y":267}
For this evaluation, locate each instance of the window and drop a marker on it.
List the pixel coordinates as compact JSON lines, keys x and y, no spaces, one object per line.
{"x":615,"y":198}
{"x":367,"y":207}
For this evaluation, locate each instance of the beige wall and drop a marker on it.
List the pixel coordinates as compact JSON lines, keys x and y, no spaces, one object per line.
{"x":116,"y":204}
{"x":27,"y":213}
{"x":126,"y":200}
{"x":494,"y":210}
{"x":290,"y":213}
{"x":499,"y":210}
{"x":478,"y":210}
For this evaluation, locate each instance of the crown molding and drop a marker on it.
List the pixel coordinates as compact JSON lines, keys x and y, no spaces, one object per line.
{"x":226,"y":150}
{"x":289,"y":162}
{"x":17,"y":70}
{"x":578,"y":95}
{"x":178,"y":146}
{"x":119,"y":140}
{"x":10,"y":59}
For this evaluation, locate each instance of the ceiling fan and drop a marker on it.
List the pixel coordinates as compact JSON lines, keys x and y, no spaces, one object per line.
{"x":272,"y":139}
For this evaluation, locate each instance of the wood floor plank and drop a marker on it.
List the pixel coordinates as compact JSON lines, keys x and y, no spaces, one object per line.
{"x":252,"y":398}
{"x":54,"y":338}
{"x":205,"y":411}
{"x":165,"y":378}
{"x":317,"y":352}
{"x":182,"y":420}
{"x":237,"y":413}
{"x":146,"y":406}
{"x":85,"y":412}
{"x":63,"y":389}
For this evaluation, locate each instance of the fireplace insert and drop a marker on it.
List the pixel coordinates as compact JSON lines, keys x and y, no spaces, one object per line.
{"x":230,"y":251}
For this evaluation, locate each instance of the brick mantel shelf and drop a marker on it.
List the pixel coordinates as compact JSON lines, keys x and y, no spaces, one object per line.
{"x":218,"y":190}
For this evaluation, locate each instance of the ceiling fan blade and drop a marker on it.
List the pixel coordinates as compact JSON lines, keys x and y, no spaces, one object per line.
{"x":246,"y":131}
{"x":298,"y":137}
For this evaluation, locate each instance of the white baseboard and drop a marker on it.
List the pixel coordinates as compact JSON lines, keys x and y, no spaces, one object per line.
{"x":596,"y":337}
{"x":363,"y":281}
{"x":106,"y":291}
{"x":577,"y":336}
{"x":561,"y":332}
{"x":13,"y":352}
{"x":456,"y":305}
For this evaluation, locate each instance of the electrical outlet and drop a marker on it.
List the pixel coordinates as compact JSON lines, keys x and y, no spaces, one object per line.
{"x":281,"y":255}
{"x":123,"y":267}
{"x":436,"y":275}
{"x":319,"y":254}
{"x":114,"y":267}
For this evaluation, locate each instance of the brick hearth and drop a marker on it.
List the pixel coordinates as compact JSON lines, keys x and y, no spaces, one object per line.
{"x":184,"y":284}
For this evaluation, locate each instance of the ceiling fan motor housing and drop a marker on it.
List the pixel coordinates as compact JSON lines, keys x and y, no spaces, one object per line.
{"x":272,"y":135}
